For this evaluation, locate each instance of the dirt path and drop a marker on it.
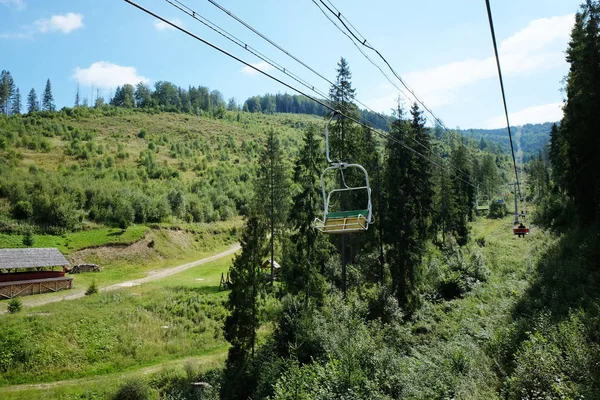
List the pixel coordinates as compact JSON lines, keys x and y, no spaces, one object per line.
{"x":204,"y":362}
{"x":152,"y":276}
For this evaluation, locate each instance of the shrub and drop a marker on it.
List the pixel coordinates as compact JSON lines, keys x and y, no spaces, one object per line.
{"x":92,"y":289}
{"x":133,"y":390}
{"x":28,"y":239}
{"x":14,"y":305}
{"x":497,"y":210}
{"x":22,"y":210}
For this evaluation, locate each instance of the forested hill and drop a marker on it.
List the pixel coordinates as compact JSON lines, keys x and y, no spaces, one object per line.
{"x":530,"y":138}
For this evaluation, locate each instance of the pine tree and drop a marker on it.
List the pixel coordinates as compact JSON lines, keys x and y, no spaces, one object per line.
{"x":581,"y":122}
{"x":461,"y":197}
{"x":28,"y":239}
{"x":424,"y":191}
{"x":243,"y":304}
{"x":307,"y":250}
{"x":32,"y":102}
{"x":16,"y":104}
{"x":341,"y":132}
{"x":272,"y":190}
{"x":7,"y":91}
{"x":77,"y":96}
{"x":48,"y":99}
{"x":401,"y":225}
{"x":558,"y":154}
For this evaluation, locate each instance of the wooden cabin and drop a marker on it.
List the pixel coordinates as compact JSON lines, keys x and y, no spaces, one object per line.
{"x":24,"y":272}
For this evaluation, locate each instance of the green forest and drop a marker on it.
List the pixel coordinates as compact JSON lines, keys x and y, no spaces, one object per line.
{"x":437,"y":299}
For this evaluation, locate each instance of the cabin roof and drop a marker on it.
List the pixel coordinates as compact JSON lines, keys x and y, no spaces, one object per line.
{"x":31,"y":258}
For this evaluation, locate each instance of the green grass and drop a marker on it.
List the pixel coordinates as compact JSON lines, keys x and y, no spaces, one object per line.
{"x":457,"y":331}
{"x":101,"y":387}
{"x":117,"y":331}
{"x":73,"y":241}
{"x":205,"y":279}
{"x":172,"y":247}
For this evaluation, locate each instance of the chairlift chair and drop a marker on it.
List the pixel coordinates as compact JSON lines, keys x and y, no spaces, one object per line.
{"x":343,"y":221}
{"x":521,"y":229}
{"x":483,"y":204}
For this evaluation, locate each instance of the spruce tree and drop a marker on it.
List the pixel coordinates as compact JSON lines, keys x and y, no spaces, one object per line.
{"x":28,"y":239}
{"x":32,"y":102}
{"x":341,"y":95}
{"x":242,"y":322}
{"x":272,"y":190}
{"x":48,"y":99}
{"x":16,"y":104}
{"x":581,"y":122}
{"x":461,"y":196}
{"x":424,"y":191}
{"x":558,"y":154}
{"x":307,"y":250}
{"x":7,"y":91}
{"x":77,"y":96}
{"x":401,"y":225}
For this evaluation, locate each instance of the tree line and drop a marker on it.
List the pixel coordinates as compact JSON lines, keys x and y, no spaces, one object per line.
{"x":575,"y":144}
{"x":10,"y":97}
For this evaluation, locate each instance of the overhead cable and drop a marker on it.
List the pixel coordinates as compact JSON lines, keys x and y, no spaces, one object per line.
{"x":322,"y":103}
{"x":364,"y":42}
{"x":512,"y":150}
{"x":241,"y":21}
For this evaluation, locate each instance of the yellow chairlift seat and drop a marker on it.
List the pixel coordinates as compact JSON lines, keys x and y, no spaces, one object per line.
{"x":344,"y":222}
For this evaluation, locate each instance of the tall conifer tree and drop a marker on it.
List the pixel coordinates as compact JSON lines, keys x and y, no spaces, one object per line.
{"x":16,"y":104}
{"x":7,"y":91}
{"x":32,"y":102}
{"x":401,"y":225}
{"x":272,"y":190}
{"x":424,"y":191}
{"x":307,"y":250}
{"x":243,"y":305}
{"x":581,"y":122}
{"x":48,"y":99}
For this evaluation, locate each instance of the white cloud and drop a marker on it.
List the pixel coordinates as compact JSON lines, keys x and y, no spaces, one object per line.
{"x":538,"y":46}
{"x":263,"y":66}
{"x":63,"y":23}
{"x":531,"y":115}
{"x":161,"y":25}
{"x":17,"y":4}
{"x":107,"y":75}
{"x":538,"y":34}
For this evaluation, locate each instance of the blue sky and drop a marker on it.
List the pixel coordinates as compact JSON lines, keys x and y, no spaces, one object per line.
{"x":441,"y":48}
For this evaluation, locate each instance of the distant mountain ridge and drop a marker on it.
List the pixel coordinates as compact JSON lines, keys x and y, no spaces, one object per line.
{"x":530,"y":138}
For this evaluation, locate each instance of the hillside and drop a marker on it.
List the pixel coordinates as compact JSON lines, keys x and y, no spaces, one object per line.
{"x":529,"y":138}
{"x":116,"y":166}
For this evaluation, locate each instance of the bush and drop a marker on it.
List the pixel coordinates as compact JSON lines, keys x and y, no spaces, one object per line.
{"x":497,"y":210}
{"x":14,"y":305}
{"x":28,"y":239}
{"x":133,"y":390}
{"x":22,"y":210}
{"x":92,"y":289}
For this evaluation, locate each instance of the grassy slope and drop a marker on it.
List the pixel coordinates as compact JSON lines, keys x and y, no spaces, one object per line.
{"x":112,"y":131}
{"x":460,"y":329}
{"x":128,"y":329}
{"x":172,"y":246}
{"x":73,"y":241}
